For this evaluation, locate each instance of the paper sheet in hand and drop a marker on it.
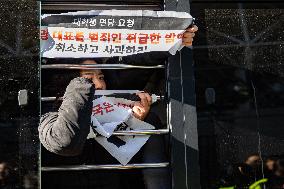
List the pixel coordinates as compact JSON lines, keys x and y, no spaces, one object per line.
{"x":107,"y":115}
{"x":123,"y":148}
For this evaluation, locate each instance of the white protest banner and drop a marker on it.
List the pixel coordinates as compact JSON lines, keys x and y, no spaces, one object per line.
{"x":111,"y":114}
{"x":111,"y":33}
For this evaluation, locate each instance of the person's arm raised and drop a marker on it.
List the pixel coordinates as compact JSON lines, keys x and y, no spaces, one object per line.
{"x":65,"y":132}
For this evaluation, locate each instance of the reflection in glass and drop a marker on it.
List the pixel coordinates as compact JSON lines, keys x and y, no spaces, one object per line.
{"x":239,"y":60}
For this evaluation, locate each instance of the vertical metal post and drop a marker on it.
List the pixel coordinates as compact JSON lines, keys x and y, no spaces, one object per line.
{"x":184,"y":136}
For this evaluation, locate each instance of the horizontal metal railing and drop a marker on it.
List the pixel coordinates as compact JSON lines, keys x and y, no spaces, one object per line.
{"x":105,"y":167}
{"x":51,"y":99}
{"x":110,"y":93}
{"x":97,"y":66}
{"x":141,"y":132}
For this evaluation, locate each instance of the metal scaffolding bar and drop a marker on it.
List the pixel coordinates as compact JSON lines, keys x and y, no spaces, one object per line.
{"x":51,"y":99}
{"x":142,"y":132}
{"x":97,"y":66}
{"x":105,"y":167}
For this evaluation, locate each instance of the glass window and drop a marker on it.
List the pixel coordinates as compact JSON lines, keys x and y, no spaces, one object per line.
{"x":19,"y":145}
{"x":238,"y":56}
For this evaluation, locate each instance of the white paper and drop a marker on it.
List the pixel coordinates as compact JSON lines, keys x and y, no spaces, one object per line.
{"x":109,"y":33}
{"x":107,"y":115}
{"x":127,"y":13}
{"x":123,"y":148}
{"x":130,"y":145}
{"x":87,"y":48}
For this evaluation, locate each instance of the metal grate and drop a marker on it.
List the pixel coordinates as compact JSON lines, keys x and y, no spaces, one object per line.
{"x":117,"y":133}
{"x":53,"y":6}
